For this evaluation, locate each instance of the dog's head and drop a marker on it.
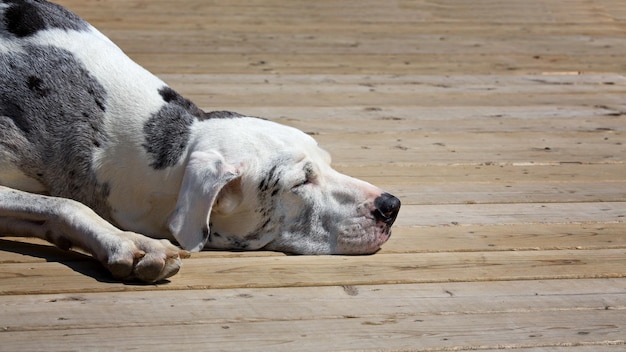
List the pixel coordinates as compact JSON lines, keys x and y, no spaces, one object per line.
{"x":269,"y":186}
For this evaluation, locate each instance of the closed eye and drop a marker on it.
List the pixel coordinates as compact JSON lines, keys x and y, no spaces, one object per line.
{"x":302,"y":183}
{"x":309,"y":176}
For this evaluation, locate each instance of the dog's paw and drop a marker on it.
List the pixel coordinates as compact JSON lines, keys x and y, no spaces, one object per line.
{"x":143,"y":258}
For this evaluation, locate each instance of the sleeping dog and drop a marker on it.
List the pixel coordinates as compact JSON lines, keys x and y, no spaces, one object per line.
{"x":99,"y":154}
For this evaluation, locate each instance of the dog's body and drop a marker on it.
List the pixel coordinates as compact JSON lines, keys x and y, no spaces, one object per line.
{"x":81,"y":122}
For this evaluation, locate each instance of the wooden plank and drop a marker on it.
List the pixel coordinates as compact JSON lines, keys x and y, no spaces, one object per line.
{"x":609,"y":346}
{"x":373,"y":95}
{"x":437,"y":316}
{"x":495,"y":182}
{"x":443,"y":333}
{"x":449,"y":148}
{"x":421,"y":239}
{"x":321,"y":302}
{"x":498,"y":237}
{"x":487,"y":173}
{"x":528,"y":17}
{"x":229,"y":26}
{"x":397,"y":64}
{"x":204,"y":271}
{"x":322,"y":120}
{"x":465,"y":85}
{"x":197,"y":42}
{"x":467,"y":193}
{"x":511,"y":214}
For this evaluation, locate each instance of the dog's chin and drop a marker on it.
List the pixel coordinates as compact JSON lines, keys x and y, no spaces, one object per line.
{"x":369,"y":242}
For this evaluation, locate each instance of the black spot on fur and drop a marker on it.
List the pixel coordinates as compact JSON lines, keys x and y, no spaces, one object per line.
{"x":264,"y":184}
{"x":172,"y":97}
{"x":47,"y":95}
{"x":168,"y":94}
{"x":167,"y":131}
{"x":222,"y":115}
{"x":24,"y":18}
{"x":36,"y":86}
{"x":268,"y":188}
{"x":167,"y":134}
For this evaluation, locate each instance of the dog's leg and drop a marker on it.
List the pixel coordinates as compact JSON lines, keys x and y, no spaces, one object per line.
{"x":67,"y":224}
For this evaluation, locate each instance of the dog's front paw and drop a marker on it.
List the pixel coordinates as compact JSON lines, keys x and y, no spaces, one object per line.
{"x":146,"y":259}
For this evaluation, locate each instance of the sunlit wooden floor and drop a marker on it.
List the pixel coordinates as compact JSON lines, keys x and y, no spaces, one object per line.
{"x":500,"y":124}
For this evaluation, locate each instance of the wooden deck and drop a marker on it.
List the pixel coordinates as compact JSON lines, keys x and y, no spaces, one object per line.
{"x":500,"y":124}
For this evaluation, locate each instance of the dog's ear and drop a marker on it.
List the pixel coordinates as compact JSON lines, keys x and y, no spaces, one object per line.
{"x":205,"y":175}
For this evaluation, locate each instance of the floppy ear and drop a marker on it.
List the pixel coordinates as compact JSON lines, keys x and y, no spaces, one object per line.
{"x":206,"y":174}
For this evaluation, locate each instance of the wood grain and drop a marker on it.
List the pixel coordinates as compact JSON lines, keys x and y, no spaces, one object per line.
{"x":407,"y":317}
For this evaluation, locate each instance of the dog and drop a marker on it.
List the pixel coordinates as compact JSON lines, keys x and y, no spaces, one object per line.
{"x":97,"y":153}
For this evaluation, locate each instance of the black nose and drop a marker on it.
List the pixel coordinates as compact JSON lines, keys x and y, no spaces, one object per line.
{"x":386,"y":208}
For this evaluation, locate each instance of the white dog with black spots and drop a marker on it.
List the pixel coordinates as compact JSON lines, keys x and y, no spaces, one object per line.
{"x":98,"y":153}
